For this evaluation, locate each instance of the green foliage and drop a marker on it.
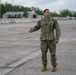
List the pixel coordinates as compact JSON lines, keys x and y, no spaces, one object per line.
{"x":65,"y":12}
{"x":54,"y":14}
{"x":8,"y":7}
{"x":37,"y":10}
{"x":15,"y":16}
{"x":19,"y":16}
{"x":74,"y":15}
{"x":16,"y":8}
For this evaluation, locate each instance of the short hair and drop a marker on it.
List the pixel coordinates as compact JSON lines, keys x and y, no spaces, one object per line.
{"x":45,"y":10}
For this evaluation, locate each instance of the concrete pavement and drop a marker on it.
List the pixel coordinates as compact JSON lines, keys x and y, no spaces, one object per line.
{"x":20,"y":51}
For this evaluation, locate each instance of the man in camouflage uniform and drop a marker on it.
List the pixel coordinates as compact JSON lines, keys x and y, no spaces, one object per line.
{"x":48,"y":40}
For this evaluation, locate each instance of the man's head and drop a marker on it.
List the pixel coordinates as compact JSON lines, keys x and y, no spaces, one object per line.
{"x":46,"y":13}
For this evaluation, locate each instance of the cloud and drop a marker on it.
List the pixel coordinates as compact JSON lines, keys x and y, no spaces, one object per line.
{"x":28,"y":3}
{"x":3,"y":1}
{"x":71,"y":4}
{"x":42,"y":2}
{"x":53,"y":5}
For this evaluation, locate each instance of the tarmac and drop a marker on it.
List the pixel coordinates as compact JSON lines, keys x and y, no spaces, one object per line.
{"x":20,"y":52}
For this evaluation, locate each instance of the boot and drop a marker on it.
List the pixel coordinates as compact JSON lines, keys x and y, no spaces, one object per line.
{"x":44,"y":68}
{"x":54,"y":69}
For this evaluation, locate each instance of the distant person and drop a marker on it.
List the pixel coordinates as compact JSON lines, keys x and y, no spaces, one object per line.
{"x":48,"y":39}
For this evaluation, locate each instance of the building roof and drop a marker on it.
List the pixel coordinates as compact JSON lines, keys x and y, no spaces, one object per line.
{"x":32,"y":12}
{"x":13,"y":13}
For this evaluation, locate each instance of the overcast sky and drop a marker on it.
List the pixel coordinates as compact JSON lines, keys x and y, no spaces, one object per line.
{"x":53,"y":5}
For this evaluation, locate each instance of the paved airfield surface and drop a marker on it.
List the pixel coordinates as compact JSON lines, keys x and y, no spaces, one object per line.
{"x":20,"y":52}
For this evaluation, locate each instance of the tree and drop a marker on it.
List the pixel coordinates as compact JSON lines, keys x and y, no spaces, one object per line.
{"x":37,"y":10}
{"x":17,"y":8}
{"x":65,"y":12}
{"x":19,"y":16}
{"x":54,"y":14}
{"x":74,"y":15}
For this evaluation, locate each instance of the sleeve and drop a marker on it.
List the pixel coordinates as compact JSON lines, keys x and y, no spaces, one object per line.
{"x":37,"y":27}
{"x":57,"y":28}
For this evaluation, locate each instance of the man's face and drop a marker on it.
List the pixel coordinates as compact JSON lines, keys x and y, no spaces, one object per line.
{"x":47,"y":13}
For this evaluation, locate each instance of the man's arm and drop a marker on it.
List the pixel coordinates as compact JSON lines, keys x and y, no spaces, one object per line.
{"x":35,"y":28}
{"x":58,"y":32}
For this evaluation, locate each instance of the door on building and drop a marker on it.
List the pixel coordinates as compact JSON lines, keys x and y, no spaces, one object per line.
{"x":34,"y":16}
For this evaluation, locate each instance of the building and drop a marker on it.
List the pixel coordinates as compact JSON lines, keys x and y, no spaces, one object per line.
{"x":32,"y":14}
{"x":12,"y":14}
{"x":64,"y":18}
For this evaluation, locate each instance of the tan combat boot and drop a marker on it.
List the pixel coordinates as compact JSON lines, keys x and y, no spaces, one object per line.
{"x":44,"y":68}
{"x":54,"y":69}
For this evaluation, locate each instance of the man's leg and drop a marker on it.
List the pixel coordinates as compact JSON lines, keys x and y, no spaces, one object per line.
{"x":44,"y":49}
{"x":52,"y":49}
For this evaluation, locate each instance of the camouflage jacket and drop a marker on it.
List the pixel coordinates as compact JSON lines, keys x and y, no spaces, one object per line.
{"x":47,"y":29}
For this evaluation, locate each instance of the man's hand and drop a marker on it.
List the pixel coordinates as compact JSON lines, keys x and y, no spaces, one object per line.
{"x":30,"y":30}
{"x":56,"y":41}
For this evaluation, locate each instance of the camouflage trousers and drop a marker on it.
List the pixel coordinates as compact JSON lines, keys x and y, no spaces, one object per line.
{"x":45,"y":45}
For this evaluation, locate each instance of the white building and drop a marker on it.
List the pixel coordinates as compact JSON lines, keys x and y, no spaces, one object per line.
{"x":64,"y":18}
{"x":40,"y":16}
{"x":7,"y":14}
{"x":32,"y":14}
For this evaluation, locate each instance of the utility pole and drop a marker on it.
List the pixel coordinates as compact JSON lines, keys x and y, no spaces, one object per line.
{"x":12,"y":5}
{"x":60,"y":11}
{"x":0,"y":8}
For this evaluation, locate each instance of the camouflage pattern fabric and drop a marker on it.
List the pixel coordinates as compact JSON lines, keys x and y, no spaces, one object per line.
{"x":45,"y":45}
{"x":47,"y":38}
{"x":47,"y":29}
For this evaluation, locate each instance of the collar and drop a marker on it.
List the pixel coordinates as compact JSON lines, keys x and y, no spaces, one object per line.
{"x":50,"y":18}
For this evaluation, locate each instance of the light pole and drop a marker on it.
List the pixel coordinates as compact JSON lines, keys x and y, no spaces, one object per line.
{"x":60,"y":11}
{"x":0,"y":8}
{"x":12,"y":5}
